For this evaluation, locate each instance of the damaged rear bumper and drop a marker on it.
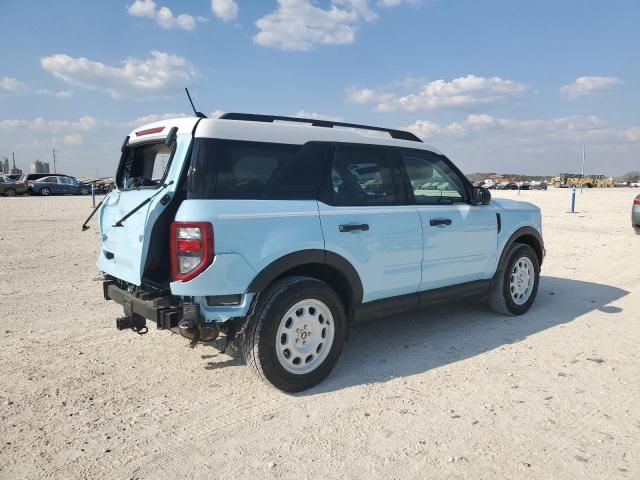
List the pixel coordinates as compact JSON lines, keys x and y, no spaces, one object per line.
{"x":162,"y":310}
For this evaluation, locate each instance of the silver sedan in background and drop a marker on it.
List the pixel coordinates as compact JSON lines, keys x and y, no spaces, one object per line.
{"x":635,"y":214}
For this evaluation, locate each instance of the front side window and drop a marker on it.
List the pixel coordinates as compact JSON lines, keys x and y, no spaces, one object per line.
{"x":432,"y":180}
{"x":144,"y":165}
{"x":233,"y":169}
{"x":361,"y":175}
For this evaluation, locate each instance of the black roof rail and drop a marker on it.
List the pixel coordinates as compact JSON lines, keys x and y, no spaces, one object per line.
{"x":253,"y":117}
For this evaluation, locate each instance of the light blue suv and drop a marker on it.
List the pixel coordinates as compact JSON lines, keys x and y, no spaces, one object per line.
{"x":282,"y":232}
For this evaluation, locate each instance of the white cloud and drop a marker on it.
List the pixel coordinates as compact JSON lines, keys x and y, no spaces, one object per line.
{"x":225,"y":10}
{"x":300,"y":25}
{"x":85,"y":123}
{"x":633,"y":134}
{"x":538,"y":146}
{"x":316,"y":116}
{"x":395,"y":3}
{"x":160,"y":74}
{"x":216,"y":114}
{"x":11,"y":86}
{"x":72,"y":139}
{"x":589,"y":85}
{"x":360,"y":95}
{"x":156,"y":117}
{"x":460,"y":92}
{"x":163,"y":15}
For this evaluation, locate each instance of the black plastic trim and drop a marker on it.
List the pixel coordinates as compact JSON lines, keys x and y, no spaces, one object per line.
{"x":499,"y":220}
{"x":164,"y":317}
{"x":520,"y":233}
{"x":413,"y":302}
{"x":308,"y":257}
{"x":252,"y":117}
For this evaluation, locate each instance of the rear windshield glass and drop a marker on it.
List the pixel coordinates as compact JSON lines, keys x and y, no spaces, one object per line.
{"x":144,"y":165}
{"x":230,"y":169}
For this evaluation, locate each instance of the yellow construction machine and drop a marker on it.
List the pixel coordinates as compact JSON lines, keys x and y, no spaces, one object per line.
{"x":565,"y":180}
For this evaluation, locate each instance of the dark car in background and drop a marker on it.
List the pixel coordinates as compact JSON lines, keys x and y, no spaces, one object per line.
{"x":11,"y":188}
{"x":59,"y":185}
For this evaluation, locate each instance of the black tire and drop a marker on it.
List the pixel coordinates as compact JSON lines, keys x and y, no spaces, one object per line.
{"x":500,"y":296}
{"x":45,"y":192}
{"x":258,"y":341}
{"x":10,"y":192}
{"x":84,"y":191}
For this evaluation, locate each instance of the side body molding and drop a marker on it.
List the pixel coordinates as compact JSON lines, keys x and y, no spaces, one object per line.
{"x":305,"y":258}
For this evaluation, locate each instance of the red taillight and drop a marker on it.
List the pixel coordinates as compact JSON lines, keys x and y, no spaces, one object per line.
{"x":149,"y":131}
{"x":191,"y":249}
{"x":636,"y":200}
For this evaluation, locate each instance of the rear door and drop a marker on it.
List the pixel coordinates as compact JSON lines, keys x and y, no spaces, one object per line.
{"x":460,"y":239}
{"x":144,"y":168}
{"x":364,"y":220}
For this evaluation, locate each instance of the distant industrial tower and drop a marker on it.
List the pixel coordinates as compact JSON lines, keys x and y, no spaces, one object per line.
{"x":39,"y":167}
{"x":4,"y":165}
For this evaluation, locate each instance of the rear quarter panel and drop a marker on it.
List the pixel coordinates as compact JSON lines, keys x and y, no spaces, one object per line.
{"x":248,"y":236}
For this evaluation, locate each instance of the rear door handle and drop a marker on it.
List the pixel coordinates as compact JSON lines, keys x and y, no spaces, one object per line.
{"x":434,"y":222}
{"x":352,"y":228}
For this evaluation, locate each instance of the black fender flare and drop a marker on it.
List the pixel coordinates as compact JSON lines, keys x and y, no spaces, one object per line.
{"x":308,"y":257}
{"x":518,"y":234}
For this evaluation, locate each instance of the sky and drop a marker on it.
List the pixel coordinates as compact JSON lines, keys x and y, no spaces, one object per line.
{"x":497,"y":85}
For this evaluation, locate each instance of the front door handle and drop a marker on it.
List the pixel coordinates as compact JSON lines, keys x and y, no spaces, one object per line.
{"x":352,"y":228}
{"x":434,"y":222}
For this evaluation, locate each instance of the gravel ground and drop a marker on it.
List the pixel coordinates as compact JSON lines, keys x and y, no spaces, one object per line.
{"x":452,"y":392}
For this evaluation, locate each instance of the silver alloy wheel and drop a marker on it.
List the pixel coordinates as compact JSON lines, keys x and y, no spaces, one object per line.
{"x":522,"y":280}
{"x":45,"y":191}
{"x":305,"y":336}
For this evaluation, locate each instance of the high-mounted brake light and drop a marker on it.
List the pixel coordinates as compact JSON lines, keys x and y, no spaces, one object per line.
{"x":191,"y":249}
{"x":149,"y":131}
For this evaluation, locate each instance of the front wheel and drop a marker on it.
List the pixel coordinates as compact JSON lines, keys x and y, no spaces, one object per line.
{"x":45,"y":192}
{"x":296,"y":334}
{"x":10,"y":192}
{"x":84,"y":191}
{"x":515,"y":285}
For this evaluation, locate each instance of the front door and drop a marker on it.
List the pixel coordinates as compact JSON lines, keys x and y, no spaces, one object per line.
{"x":364,"y":221}
{"x":460,"y":239}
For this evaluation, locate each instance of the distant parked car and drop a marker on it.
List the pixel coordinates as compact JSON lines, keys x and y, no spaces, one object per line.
{"x":59,"y":185}
{"x":11,"y":188}
{"x":635,"y":214}
{"x":539,"y":185}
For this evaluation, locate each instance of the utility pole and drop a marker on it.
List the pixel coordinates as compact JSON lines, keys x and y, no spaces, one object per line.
{"x":54,"y":161}
{"x":13,"y":156}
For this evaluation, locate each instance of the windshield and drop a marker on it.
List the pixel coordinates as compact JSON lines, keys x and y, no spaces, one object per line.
{"x":144,"y":165}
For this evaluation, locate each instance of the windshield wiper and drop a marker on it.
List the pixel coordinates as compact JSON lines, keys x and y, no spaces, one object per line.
{"x":147,"y":200}
{"x":84,"y":225}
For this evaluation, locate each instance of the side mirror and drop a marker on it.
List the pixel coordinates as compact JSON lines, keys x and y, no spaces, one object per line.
{"x":480,"y":196}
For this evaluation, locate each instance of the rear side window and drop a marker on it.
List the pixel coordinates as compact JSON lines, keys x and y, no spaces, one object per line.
{"x":361,"y":175}
{"x":144,"y":165}
{"x":232,"y":169}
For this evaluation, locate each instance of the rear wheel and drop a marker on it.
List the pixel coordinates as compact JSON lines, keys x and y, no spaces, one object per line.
{"x":10,"y":192}
{"x":556,"y":184}
{"x":515,"y":285}
{"x":296,"y":334}
{"x":45,"y":192}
